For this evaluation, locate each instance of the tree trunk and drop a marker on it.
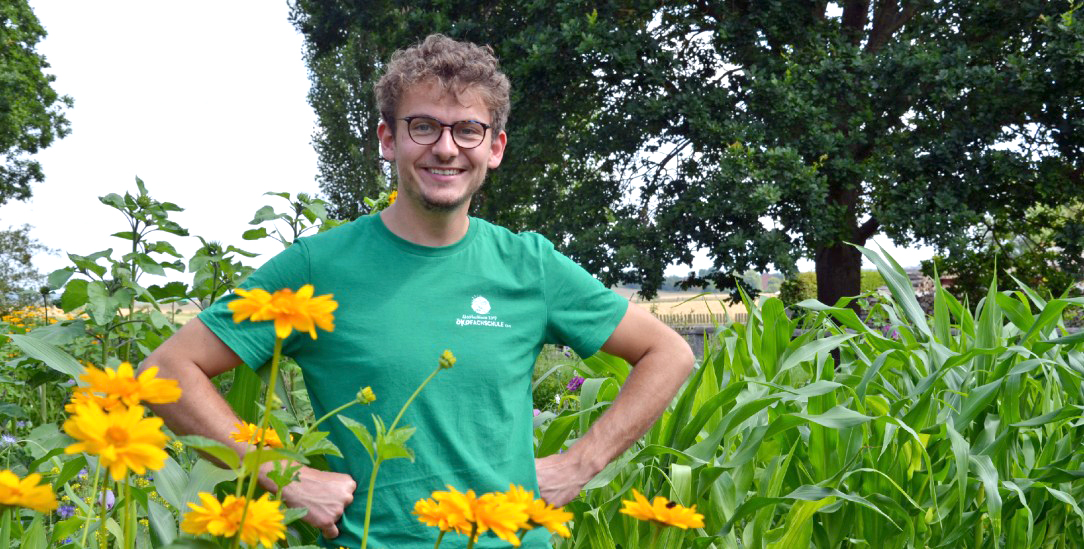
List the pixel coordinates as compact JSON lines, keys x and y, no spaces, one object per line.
{"x":839,"y":272}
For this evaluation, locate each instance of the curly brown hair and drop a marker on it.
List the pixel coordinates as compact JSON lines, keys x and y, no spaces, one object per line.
{"x":456,"y":66}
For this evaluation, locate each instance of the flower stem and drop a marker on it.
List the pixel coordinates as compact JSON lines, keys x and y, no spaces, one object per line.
{"x":655,"y":537}
{"x":473,"y":535}
{"x":262,"y":435}
{"x":5,"y":527}
{"x":369,"y":503}
{"x":327,"y":416}
{"x":411,"y":399}
{"x":103,"y":534}
{"x":439,"y":538}
{"x":93,"y":495}
{"x":129,"y":543}
{"x":378,"y":460}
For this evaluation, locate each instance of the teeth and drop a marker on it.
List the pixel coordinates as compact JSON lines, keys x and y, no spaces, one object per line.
{"x":444,"y":172}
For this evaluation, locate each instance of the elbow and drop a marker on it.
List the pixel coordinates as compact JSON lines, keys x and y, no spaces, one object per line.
{"x":684,"y":359}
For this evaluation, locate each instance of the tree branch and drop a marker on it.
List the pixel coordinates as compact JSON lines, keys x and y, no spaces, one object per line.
{"x":866,"y":231}
{"x":887,"y":19}
{"x":855,"y":13}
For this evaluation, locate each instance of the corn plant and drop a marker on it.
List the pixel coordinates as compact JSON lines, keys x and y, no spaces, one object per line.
{"x":956,"y":429}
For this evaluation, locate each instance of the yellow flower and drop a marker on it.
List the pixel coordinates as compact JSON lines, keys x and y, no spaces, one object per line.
{"x":662,"y":511}
{"x":26,"y":492}
{"x":123,"y":384}
{"x":254,"y":304}
{"x":217,"y":519}
{"x":247,"y":432}
{"x":122,"y":439}
{"x":392,"y":197}
{"x":289,"y":310}
{"x":541,"y":513}
{"x":447,"y":359}
{"x":366,"y":395}
{"x":502,"y":515}
{"x":450,"y":510}
{"x":263,"y":520}
{"x":82,"y":396}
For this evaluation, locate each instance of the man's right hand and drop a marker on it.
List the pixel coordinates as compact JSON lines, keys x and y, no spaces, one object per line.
{"x":326,"y":495}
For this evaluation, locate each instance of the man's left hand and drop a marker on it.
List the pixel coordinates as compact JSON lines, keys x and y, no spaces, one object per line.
{"x":560,"y":478}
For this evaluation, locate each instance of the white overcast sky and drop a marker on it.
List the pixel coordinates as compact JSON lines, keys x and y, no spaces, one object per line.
{"x":205,"y":101}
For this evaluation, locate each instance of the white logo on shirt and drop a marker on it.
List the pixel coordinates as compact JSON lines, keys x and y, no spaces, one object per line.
{"x":480,"y":305}
{"x":481,"y":316}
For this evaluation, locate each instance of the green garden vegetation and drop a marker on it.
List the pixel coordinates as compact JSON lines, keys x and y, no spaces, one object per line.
{"x":815,"y":428}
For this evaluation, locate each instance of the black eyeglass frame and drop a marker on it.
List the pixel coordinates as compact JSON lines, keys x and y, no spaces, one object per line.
{"x":485,"y":128}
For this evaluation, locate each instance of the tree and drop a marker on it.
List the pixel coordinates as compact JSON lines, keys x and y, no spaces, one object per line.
{"x":31,"y":114}
{"x":19,"y":280}
{"x":553,"y":180}
{"x":764,"y":132}
{"x":1040,"y":247}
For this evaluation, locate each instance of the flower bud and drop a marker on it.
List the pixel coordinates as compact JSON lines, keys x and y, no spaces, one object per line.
{"x":366,"y":395}
{"x":447,"y":359}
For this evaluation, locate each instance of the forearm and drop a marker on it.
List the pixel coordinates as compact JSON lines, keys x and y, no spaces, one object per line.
{"x":650,"y":387}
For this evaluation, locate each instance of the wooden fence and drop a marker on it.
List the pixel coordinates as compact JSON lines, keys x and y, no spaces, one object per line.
{"x":700,"y":319}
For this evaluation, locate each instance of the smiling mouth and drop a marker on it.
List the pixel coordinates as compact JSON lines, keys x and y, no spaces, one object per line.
{"x":445,"y":171}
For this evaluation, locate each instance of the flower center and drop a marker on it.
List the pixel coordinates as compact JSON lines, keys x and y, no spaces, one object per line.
{"x":117,"y":436}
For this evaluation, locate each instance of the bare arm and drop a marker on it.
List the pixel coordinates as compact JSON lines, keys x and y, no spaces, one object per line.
{"x":193,"y":356}
{"x":661,"y":361}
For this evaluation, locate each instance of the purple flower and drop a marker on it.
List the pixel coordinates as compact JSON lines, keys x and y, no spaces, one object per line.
{"x":65,"y":511}
{"x":575,"y":383}
{"x":7,"y":440}
{"x":537,"y":411}
{"x":110,"y":499}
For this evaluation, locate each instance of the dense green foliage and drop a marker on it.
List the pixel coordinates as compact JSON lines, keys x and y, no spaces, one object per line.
{"x":644,"y":131}
{"x":1042,"y":248}
{"x":31,"y":114}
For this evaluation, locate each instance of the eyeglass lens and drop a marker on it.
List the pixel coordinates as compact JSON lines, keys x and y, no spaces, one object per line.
{"x":465,"y":133}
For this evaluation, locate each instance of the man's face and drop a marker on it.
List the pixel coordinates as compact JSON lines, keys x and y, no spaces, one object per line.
{"x":442,"y":176}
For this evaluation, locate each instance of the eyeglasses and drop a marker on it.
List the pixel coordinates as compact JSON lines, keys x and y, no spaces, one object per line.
{"x":426,"y":130}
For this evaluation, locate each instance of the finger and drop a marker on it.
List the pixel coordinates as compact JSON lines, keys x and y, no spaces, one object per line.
{"x":331,"y":532}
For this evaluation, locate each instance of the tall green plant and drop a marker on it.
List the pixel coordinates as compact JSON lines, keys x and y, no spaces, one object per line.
{"x":954,"y":429}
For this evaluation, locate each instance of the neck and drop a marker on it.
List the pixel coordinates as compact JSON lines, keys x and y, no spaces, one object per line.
{"x":425,"y":228}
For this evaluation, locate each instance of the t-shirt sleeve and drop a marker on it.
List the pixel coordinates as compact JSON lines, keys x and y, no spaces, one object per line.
{"x":582,"y":313}
{"x":254,"y":342}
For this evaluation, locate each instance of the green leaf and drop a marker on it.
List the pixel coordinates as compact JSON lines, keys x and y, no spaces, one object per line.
{"x":162,"y":522}
{"x":900,"y":286}
{"x":12,"y":410}
{"x":48,"y":353}
{"x":34,"y":536}
{"x":214,"y":448}
{"x":839,"y":417}
{"x":203,"y":478}
{"x":799,"y":521}
{"x":361,"y":433}
{"x":74,"y":296}
{"x":254,"y":234}
{"x":244,"y":394}
{"x":393,"y":445}
{"x":809,"y":351}
{"x":170,"y":482}
{"x":977,"y":400}
{"x":266,"y":213}
{"x":58,"y":277}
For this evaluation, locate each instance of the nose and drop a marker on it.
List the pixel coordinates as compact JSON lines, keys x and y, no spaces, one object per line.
{"x":445,"y":146}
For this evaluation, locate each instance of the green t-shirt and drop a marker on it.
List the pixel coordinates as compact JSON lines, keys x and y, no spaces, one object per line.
{"x":493,"y":298}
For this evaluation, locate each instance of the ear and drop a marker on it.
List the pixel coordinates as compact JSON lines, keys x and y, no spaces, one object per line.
{"x":496,"y":150}
{"x":387,"y":141}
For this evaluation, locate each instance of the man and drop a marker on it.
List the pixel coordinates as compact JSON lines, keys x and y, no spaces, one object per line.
{"x":419,"y":278}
